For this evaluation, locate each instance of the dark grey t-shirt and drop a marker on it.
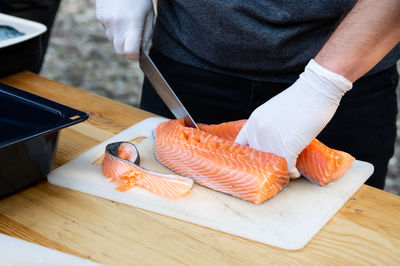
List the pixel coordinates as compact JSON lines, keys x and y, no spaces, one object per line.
{"x":261,"y":40}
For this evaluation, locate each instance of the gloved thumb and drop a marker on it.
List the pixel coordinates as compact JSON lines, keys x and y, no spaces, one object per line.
{"x":241,"y":138}
{"x":139,"y":38}
{"x":294,"y":173}
{"x":148,"y":29}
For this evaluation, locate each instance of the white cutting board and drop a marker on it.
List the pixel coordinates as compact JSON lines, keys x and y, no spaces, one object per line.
{"x":14,"y":251}
{"x":289,"y":220}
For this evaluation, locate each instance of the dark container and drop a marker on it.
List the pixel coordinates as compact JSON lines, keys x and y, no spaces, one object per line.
{"x":29,"y":132}
{"x":26,"y":55}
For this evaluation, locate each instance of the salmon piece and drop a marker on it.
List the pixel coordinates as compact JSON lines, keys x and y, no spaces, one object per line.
{"x":317,"y":162}
{"x":321,"y":164}
{"x":219,"y":163}
{"x":227,"y":130}
{"x":121,"y":165}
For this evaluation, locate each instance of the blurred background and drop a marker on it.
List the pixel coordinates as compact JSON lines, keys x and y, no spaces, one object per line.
{"x":80,"y":55}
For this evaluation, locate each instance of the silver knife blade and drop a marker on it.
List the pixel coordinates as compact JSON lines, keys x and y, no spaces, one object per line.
{"x":163,"y":89}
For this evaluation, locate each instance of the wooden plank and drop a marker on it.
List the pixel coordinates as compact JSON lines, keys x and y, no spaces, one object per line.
{"x":365,"y":231}
{"x":117,"y":234}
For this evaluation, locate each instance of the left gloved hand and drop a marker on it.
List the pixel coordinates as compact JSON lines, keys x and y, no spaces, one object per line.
{"x":128,"y":24}
{"x":288,"y":122}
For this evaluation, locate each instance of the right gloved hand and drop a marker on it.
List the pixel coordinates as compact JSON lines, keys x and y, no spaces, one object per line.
{"x":288,"y":122}
{"x":128,"y":24}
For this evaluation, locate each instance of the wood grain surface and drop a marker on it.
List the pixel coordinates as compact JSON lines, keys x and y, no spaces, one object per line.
{"x":365,"y":231}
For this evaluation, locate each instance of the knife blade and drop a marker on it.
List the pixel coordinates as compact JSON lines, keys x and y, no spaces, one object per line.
{"x":163,"y":89}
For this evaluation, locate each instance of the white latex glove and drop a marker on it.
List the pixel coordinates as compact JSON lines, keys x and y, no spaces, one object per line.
{"x":128,"y":24}
{"x":288,"y":122}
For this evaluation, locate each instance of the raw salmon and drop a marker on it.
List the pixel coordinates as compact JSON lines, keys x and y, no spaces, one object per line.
{"x":227,"y":130}
{"x":317,"y":162}
{"x":321,"y":164}
{"x":219,"y":163}
{"x":121,"y":165}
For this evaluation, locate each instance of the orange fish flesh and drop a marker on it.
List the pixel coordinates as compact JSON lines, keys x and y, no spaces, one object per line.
{"x":321,"y":164}
{"x":219,"y":163}
{"x":227,"y":130}
{"x":121,"y":165}
{"x":317,"y":162}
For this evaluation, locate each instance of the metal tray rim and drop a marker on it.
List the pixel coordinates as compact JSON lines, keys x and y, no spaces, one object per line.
{"x":64,"y":111}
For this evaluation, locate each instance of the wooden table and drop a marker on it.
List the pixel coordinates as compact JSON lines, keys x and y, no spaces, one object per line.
{"x":366,"y":230}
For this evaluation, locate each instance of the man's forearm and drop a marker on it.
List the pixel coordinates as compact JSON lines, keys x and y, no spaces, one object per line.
{"x":362,"y":39}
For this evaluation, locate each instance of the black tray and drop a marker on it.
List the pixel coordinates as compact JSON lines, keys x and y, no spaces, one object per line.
{"x":29,"y":136}
{"x":26,"y":55}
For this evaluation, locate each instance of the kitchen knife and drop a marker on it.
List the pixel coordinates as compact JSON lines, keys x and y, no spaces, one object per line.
{"x":163,"y":89}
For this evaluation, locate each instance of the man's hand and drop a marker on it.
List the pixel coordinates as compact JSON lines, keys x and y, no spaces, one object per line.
{"x":287,"y":123}
{"x":128,"y":23}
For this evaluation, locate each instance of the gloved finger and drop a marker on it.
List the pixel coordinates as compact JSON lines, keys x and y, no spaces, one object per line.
{"x":241,"y":138}
{"x":119,"y":43}
{"x":294,"y":173}
{"x":148,"y":29}
{"x":110,"y":35}
{"x":132,"y":44}
{"x":100,"y":12}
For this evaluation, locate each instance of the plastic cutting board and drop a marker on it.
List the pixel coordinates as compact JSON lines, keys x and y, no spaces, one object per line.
{"x":289,"y":220}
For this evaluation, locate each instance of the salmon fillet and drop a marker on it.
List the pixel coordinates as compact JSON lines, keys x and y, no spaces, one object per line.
{"x":317,"y":162}
{"x":121,"y":165}
{"x":220,"y":163}
{"x":321,"y":164}
{"x":227,"y":130}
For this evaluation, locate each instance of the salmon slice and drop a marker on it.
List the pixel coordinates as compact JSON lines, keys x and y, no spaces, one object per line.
{"x":227,"y":130}
{"x":321,"y":164}
{"x":121,"y":165}
{"x":317,"y":162}
{"x":219,"y":163}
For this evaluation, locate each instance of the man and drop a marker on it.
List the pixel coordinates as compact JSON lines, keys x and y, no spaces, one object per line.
{"x":226,"y":60}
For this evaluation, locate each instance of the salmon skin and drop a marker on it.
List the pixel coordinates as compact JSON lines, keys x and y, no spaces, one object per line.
{"x":121,"y":165}
{"x":317,"y":162}
{"x":220,"y":163}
